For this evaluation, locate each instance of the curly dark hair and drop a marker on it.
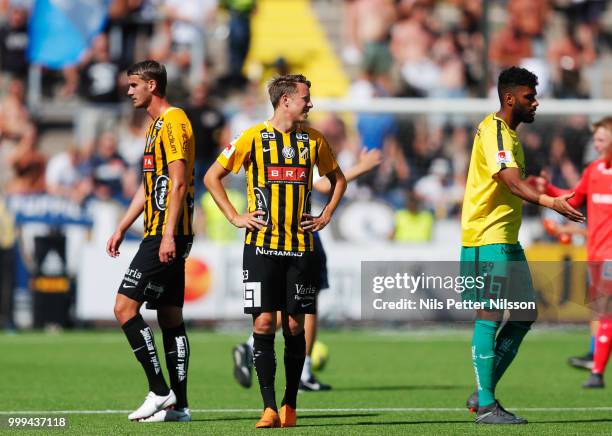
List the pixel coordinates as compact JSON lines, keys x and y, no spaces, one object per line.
{"x":513,"y":77}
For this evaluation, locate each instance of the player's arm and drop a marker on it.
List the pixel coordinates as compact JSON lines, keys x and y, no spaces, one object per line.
{"x":511,"y":177}
{"x":580,"y":190}
{"x":177,"y":171}
{"x":337,"y":182}
{"x":213,"y":182}
{"x":368,"y":160}
{"x":133,"y":212}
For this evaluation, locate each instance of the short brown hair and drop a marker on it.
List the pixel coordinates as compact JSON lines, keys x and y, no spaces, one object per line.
{"x":151,"y":70}
{"x":286,"y":84}
{"x":606,"y":123}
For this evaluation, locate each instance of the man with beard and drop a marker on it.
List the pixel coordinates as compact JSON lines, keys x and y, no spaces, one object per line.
{"x":490,"y":222}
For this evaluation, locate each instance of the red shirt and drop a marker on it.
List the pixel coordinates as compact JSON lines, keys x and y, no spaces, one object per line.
{"x":594,"y":187}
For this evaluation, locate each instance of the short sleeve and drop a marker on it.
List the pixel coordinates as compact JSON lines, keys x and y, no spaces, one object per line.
{"x":497,"y":148}
{"x":326,"y":162}
{"x":236,"y":153}
{"x":177,"y":136}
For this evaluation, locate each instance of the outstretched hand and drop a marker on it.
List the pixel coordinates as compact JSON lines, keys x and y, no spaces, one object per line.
{"x":561,"y":206}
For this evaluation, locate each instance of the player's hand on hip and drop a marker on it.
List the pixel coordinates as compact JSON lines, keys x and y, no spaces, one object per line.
{"x":561,"y":205}
{"x":167,"y":249}
{"x":314,"y":224}
{"x":251,"y":220}
{"x":112,"y":246}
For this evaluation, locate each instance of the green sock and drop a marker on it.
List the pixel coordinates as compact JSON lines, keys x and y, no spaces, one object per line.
{"x":483,"y":358}
{"x":507,"y":345}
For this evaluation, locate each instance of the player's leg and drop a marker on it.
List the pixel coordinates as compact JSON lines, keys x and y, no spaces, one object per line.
{"x":483,"y":337}
{"x":308,"y":381}
{"x":264,"y":359}
{"x":491,"y":262}
{"x":263,"y":281}
{"x":483,"y":354}
{"x":519,"y":290}
{"x":586,"y":360}
{"x":301,"y":288}
{"x":294,"y":355}
{"x":130,"y":298}
{"x":177,"y":351}
{"x":242,"y":356}
{"x":603,"y":342}
{"x":140,"y":338}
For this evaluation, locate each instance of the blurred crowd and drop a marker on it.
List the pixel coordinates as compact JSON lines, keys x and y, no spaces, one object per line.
{"x":401,"y":48}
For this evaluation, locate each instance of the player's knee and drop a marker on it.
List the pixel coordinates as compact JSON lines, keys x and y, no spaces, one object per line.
{"x":124,"y":313}
{"x":293,"y":327}
{"x":264,"y":325}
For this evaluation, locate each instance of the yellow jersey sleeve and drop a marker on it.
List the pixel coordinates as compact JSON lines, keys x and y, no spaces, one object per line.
{"x":326,"y":162}
{"x":177,"y":137}
{"x":497,"y":147}
{"x":236,"y":153}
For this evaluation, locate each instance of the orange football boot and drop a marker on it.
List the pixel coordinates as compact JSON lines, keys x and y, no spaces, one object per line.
{"x":269,"y":419}
{"x":288,"y":417}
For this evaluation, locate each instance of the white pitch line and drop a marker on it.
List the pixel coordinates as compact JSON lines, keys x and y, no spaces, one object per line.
{"x":365,"y":409}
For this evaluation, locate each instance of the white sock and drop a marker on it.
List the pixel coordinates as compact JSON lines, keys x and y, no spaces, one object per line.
{"x":250,"y":342}
{"x":306,"y":370}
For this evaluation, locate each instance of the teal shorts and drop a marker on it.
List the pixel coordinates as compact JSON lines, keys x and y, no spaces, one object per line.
{"x":501,"y":276}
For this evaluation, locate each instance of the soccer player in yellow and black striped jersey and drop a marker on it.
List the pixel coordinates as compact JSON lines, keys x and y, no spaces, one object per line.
{"x":278,"y":157}
{"x":157,"y":272}
{"x":490,"y":222}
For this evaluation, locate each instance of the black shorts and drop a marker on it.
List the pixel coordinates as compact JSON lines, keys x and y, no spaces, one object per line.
{"x":159,"y":284}
{"x":279,"y":280}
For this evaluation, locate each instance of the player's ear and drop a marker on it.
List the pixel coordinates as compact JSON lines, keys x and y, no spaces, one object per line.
{"x":152,"y":85}
{"x":509,"y":98}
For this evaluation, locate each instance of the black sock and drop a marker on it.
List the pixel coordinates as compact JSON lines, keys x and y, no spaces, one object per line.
{"x":264,"y":360}
{"x":140,"y":337}
{"x":295,"y":353}
{"x":176,"y":346}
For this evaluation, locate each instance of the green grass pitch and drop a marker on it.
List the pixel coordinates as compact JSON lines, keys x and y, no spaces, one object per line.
{"x":401,"y":382}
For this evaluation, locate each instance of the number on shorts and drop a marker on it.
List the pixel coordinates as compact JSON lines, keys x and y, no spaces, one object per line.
{"x":252,"y":294}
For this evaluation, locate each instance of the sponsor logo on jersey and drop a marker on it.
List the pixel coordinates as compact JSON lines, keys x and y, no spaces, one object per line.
{"x":229,"y":150}
{"x":304,"y":152}
{"x":162,"y":185}
{"x":171,"y":138}
{"x":268,"y":136}
{"x":287,"y":174}
{"x":148,"y":163}
{"x":304,"y":293}
{"x":261,"y":202}
{"x":185,"y":137}
{"x":504,"y":157}
{"x":267,"y":252}
{"x":602,"y":198}
{"x":302,"y":137}
{"x":288,"y":152}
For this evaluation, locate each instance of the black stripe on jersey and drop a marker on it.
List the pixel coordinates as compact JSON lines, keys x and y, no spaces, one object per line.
{"x":267,"y":158}
{"x":164,"y":172}
{"x":282,"y":194}
{"x":500,"y":140}
{"x":254,"y":178}
{"x":296,"y":195}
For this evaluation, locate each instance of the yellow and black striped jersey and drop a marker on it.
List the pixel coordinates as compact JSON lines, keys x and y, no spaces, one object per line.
{"x":169,"y":138}
{"x":279,"y":171}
